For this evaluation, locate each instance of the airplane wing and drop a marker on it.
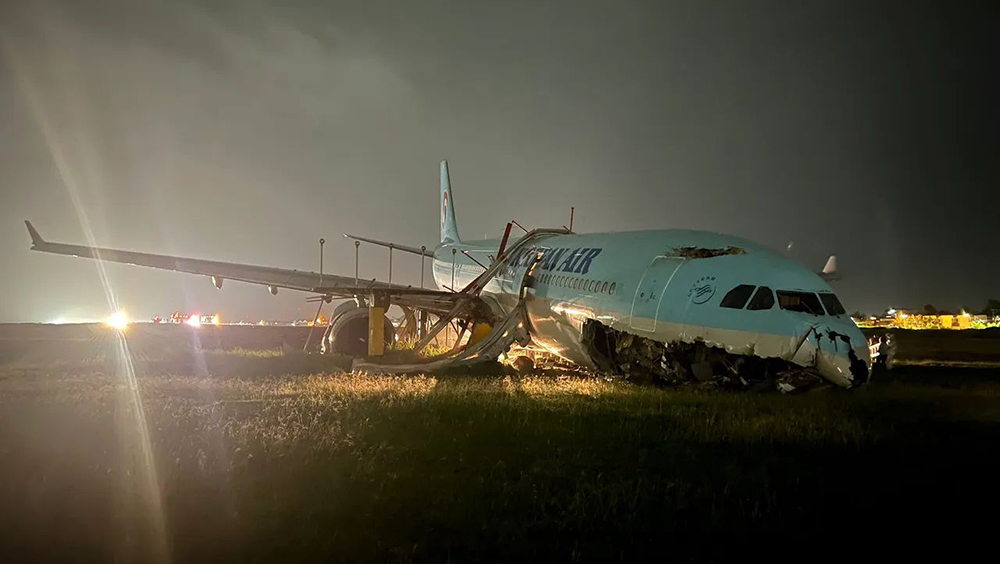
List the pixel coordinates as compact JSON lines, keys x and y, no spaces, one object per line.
{"x":273,"y":278}
{"x":421,"y":251}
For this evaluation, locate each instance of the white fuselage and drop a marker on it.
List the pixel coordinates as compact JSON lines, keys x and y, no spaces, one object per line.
{"x":650,"y":283}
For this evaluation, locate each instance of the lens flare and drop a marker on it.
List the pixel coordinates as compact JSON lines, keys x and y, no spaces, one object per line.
{"x":118,"y":320}
{"x":194,"y":320}
{"x":64,"y":127}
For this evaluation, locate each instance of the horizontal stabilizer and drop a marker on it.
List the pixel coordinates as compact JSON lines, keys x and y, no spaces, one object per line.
{"x":829,"y":272}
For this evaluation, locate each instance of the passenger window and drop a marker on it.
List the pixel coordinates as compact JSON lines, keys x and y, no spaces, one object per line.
{"x":604,"y":288}
{"x":804,"y":302}
{"x":611,"y":290}
{"x":737,"y":297}
{"x":763,"y":299}
{"x":832,"y":304}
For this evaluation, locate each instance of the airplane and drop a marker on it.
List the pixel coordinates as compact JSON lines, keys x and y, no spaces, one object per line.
{"x":680,"y":305}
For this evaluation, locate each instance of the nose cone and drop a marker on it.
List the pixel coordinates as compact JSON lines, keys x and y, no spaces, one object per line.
{"x":842,"y":354}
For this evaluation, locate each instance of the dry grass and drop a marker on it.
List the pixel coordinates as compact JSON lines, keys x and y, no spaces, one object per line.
{"x":272,"y":457}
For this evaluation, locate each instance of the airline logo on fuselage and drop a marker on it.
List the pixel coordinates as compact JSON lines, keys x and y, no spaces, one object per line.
{"x":576,"y":261}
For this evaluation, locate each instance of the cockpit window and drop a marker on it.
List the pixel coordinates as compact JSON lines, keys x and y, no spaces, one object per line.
{"x":763,"y":299}
{"x":738,"y":296}
{"x":832,"y":304}
{"x":804,"y":302}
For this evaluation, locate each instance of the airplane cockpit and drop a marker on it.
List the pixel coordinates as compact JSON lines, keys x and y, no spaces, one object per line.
{"x":756,"y":298}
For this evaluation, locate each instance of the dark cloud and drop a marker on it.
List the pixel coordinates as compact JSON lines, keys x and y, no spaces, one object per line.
{"x":244,"y":131}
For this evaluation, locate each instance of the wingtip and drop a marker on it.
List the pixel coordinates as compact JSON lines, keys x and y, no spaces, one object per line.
{"x":36,"y":239}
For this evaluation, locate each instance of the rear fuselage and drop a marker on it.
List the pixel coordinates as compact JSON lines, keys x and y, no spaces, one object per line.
{"x":668,"y":285}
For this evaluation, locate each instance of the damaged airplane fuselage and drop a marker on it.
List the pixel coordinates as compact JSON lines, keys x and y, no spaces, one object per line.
{"x":706,"y":297}
{"x":669,"y":286}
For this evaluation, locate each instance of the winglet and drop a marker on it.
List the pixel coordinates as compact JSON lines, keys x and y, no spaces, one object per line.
{"x":36,"y":239}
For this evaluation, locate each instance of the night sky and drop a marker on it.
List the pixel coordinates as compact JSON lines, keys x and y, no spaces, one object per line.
{"x":244,"y":131}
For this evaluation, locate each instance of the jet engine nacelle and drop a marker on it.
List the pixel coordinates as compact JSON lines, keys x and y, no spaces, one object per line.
{"x":348,"y":332}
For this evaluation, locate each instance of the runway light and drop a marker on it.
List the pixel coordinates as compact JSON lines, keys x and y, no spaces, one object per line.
{"x":117,"y":320}
{"x":194,"y":320}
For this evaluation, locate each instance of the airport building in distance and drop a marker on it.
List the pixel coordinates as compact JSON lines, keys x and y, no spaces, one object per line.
{"x":911,"y":319}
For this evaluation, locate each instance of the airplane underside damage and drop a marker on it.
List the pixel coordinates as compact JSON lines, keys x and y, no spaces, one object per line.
{"x":493,"y":329}
{"x":646,"y":361}
{"x":484,"y":349}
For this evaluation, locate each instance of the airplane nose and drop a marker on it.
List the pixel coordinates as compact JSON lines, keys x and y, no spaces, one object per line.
{"x":843,"y":357}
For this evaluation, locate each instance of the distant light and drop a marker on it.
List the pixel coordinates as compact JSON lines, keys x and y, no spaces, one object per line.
{"x":904,"y":316}
{"x":215,"y":320}
{"x":117,"y":320}
{"x":194,"y":320}
{"x":891,"y":311}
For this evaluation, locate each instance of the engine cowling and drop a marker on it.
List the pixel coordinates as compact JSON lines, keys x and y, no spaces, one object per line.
{"x":348,"y":333}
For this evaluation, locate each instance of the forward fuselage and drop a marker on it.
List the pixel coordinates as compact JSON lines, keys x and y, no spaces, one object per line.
{"x":667,"y":285}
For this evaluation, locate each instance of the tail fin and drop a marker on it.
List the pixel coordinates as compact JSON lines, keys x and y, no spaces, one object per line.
{"x":449,"y":229}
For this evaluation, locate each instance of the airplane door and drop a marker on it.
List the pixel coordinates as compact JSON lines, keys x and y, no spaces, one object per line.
{"x":649,"y":292}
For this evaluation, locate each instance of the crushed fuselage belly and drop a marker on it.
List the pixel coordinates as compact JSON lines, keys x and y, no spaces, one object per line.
{"x":696,"y":360}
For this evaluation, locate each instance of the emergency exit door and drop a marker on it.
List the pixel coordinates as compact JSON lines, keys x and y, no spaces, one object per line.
{"x":649,"y":293}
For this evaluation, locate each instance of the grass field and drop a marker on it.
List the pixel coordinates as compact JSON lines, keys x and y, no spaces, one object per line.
{"x":252,"y":454}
